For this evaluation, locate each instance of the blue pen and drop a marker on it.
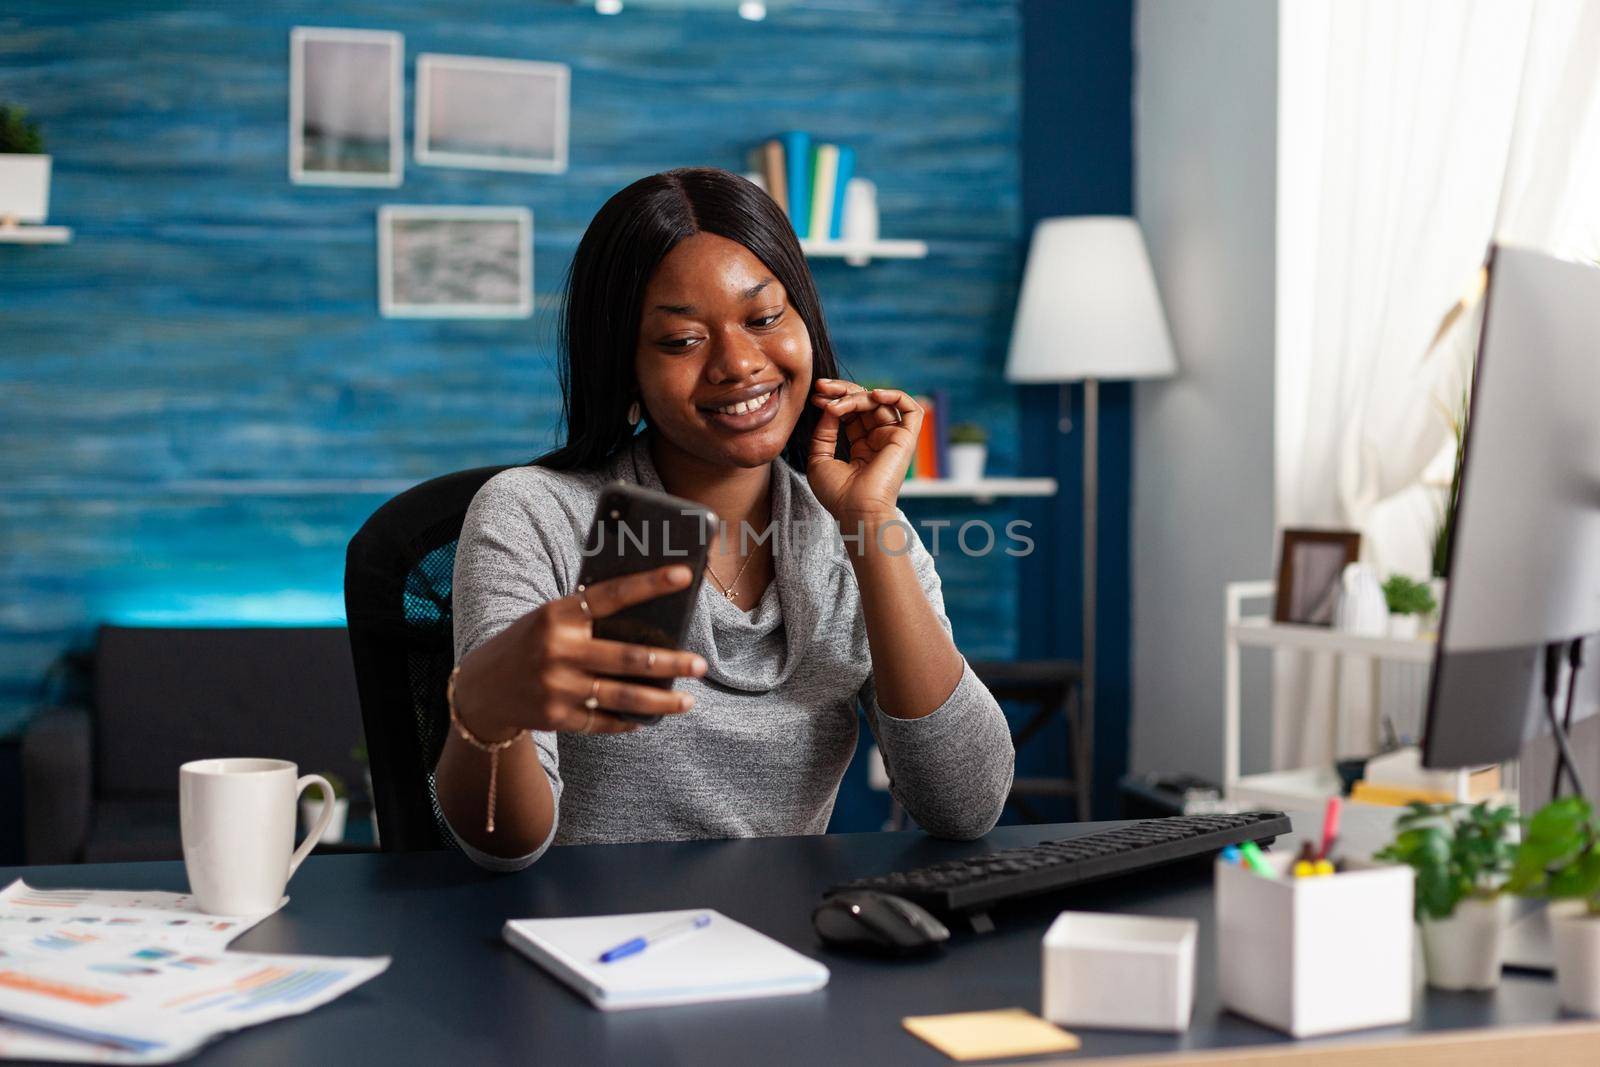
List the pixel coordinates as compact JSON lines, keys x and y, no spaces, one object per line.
{"x":655,"y":937}
{"x":1231,"y":854}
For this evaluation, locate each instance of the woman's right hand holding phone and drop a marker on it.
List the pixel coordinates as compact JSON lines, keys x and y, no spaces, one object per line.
{"x":547,"y":670}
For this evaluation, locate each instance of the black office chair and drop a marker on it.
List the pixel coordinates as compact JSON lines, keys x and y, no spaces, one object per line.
{"x":397,"y":585}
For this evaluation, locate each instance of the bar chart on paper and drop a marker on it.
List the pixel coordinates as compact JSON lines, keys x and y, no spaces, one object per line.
{"x":267,"y":986}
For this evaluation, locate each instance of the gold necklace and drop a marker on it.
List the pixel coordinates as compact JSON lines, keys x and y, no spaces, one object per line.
{"x":727,"y":588}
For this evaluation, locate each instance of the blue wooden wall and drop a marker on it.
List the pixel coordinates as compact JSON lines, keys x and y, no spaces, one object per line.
{"x":199,"y":402}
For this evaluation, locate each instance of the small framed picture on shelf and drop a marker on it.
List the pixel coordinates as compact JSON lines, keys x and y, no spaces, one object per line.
{"x":455,"y":262}
{"x":1310,"y":567}
{"x":346,"y":122}
{"x":492,"y":114}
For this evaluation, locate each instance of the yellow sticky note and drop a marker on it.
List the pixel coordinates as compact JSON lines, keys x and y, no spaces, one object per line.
{"x":990,"y":1035}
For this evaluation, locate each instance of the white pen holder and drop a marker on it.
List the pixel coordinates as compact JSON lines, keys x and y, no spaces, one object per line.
{"x":1320,"y":955}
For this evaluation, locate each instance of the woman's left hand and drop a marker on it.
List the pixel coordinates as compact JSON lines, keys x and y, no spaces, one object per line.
{"x":881,"y":426}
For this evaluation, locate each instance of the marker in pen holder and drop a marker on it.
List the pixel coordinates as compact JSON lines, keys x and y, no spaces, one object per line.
{"x":1315,"y":955}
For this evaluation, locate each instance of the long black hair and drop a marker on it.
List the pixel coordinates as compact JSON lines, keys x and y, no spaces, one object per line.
{"x":605,"y":288}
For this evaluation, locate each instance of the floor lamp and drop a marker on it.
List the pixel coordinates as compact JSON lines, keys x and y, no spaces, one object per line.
{"x":1089,"y":312}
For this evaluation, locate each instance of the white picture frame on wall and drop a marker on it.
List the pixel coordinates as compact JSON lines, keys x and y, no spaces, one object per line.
{"x":346,"y":107}
{"x":450,"y":262}
{"x":492,"y":114}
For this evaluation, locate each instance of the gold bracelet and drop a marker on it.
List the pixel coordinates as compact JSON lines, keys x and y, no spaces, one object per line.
{"x":493,"y":748}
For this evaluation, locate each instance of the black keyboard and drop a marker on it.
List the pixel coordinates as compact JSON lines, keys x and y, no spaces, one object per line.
{"x":979,"y":882}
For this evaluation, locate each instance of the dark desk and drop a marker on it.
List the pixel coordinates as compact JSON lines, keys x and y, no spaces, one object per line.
{"x":457,"y":994}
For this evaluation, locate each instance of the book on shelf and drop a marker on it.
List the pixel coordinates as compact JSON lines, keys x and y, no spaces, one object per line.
{"x":824,"y":173}
{"x":797,"y":167}
{"x":927,"y":453}
{"x":940,"y":418}
{"x":775,"y":171}
{"x":843,"y":172}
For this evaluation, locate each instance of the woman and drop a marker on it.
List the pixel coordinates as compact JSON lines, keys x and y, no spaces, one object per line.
{"x":690,"y":309}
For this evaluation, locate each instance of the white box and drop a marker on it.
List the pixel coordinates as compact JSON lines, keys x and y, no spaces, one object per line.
{"x":1315,"y":956}
{"x":1119,"y":972}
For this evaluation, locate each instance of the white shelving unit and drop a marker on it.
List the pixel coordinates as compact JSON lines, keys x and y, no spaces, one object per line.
{"x":860,"y":253}
{"x":35,"y":235}
{"x":1305,"y":788}
{"x":984,"y":490}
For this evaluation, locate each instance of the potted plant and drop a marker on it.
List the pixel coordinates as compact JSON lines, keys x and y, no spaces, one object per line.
{"x":1409,"y":602}
{"x":1462,"y":855}
{"x":969,"y":450}
{"x":24,"y":169}
{"x":311,"y":808}
{"x":1559,"y":861}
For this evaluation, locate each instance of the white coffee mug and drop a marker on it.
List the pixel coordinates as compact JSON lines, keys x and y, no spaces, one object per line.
{"x":238,"y":818}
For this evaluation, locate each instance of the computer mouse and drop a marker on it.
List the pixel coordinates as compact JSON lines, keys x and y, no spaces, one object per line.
{"x":864,"y":920}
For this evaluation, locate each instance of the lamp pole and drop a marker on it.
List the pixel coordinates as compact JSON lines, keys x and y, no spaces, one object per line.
{"x":1083,"y":743}
{"x":1091,"y":507}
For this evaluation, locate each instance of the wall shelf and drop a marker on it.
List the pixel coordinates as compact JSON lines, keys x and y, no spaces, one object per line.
{"x":860,"y":253}
{"x":35,"y":235}
{"x":1264,"y":633}
{"x":983,"y":490}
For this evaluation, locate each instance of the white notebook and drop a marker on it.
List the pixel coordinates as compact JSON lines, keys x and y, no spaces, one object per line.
{"x":726,"y":960}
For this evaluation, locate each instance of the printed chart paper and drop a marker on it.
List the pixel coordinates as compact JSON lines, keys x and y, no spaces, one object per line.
{"x":160,"y":1002}
{"x":103,"y":976}
{"x":152,"y":917}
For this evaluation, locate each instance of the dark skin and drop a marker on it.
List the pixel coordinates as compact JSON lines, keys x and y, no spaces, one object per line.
{"x":724,"y":368}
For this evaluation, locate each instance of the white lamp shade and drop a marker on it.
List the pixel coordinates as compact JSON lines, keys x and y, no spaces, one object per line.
{"x":1089,"y":306}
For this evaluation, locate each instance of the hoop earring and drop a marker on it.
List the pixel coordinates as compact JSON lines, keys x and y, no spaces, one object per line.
{"x":633,"y":413}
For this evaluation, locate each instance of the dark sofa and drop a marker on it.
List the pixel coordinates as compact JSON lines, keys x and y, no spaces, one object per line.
{"x":101,"y":782}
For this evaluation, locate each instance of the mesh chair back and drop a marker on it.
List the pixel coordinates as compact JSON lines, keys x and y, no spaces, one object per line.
{"x":397,"y":594}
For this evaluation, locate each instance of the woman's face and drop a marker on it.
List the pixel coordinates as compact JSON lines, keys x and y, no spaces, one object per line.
{"x":724,"y":361}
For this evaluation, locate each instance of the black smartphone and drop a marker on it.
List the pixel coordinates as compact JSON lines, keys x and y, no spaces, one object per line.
{"x":635,"y":530}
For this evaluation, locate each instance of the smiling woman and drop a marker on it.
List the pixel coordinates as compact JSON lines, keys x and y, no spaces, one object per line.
{"x":690,"y":309}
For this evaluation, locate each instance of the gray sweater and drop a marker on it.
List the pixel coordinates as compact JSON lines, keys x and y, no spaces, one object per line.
{"x":774,"y":721}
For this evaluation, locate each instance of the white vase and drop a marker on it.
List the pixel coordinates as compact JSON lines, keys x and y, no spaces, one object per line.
{"x":1361,"y":608}
{"x":1463,"y":951}
{"x":311,"y":811}
{"x":1404,"y":627}
{"x":1575,"y":934}
{"x":860,"y":222}
{"x":966,"y":462}
{"x":24,"y":187}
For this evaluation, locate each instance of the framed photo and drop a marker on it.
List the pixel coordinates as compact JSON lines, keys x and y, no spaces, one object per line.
{"x":1309,"y":572}
{"x":346,"y":119}
{"x":455,"y":262}
{"x":493,"y":114}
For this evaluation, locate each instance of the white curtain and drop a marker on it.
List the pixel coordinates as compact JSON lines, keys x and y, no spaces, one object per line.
{"x":1410,"y":133}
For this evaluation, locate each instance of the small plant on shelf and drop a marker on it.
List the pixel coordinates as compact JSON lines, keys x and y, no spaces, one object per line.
{"x":968,"y":433}
{"x":18,"y":133}
{"x":1406,"y":596}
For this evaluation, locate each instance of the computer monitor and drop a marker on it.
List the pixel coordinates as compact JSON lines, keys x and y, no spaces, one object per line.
{"x":1524,"y":562}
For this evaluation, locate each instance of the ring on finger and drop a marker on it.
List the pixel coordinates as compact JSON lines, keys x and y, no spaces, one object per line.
{"x":650,"y":661}
{"x":588,"y":724}
{"x":592,"y":701}
{"x":583,"y":602}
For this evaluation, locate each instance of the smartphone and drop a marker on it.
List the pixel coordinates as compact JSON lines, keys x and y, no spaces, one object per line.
{"x":635,"y":530}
